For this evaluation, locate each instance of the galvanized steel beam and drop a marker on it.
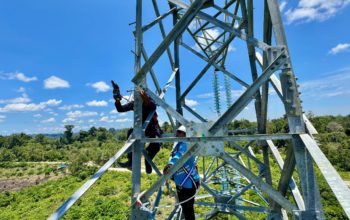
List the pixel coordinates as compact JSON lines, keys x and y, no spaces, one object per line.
{"x":258,"y":182}
{"x":71,"y":200}
{"x":178,"y":29}
{"x":219,"y":138}
{"x":335,"y":182}
{"x":247,"y":96}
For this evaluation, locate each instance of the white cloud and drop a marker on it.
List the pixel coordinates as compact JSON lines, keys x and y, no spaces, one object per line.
{"x":21,"y":89}
{"x":2,"y":118}
{"x":127,"y":98}
{"x":106,"y":119}
{"x":51,"y":129}
{"x":30,"y":107}
{"x":67,"y":120}
{"x":22,"y":107}
{"x":331,"y":85}
{"x":114,"y":111}
{"x":80,"y":114}
{"x":53,"y":113}
{"x":37,"y":116}
{"x":69,"y":107}
{"x":96,"y":103}
{"x":17,"y":76}
{"x":54,"y":82}
{"x":100,"y":86}
{"x":53,"y":102}
{"x":339,"y":48}
{"x":50,"y":120}
{"x":207,"y":37}
{"x":23,"y":78}
{"x":315,"y":10}
{"x":22,"y":99}
{"x":190,"y":102}
{"x":283,"y":5}
{"x":231,"y":48}
{"x":121,"y":120}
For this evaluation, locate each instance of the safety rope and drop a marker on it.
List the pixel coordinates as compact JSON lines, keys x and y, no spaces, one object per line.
{"x":143,"y":205}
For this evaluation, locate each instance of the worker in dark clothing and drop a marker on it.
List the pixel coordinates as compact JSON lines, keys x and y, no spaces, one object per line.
{"x":153,"y":129}
{"x":186,"y":178}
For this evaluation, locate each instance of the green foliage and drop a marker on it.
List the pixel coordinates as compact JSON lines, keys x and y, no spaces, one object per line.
{"x":333,"y":139}
{"x":166,"y":127}
{"x":108,"y":199}
{"x":7,"y":155}
{"x":14,"y":140}
{"x":68,"y":133}
{"x":98,"y":144}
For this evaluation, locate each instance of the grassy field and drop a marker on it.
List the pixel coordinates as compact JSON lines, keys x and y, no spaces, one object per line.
{"x":109,"y":198}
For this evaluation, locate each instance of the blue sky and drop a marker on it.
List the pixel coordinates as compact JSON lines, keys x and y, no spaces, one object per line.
{"x":58,"y":57}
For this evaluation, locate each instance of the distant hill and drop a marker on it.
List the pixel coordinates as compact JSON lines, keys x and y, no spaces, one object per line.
{"x":54,"y":136}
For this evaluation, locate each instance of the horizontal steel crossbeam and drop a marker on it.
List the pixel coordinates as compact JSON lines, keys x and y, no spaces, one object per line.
{"x":259,"y":137}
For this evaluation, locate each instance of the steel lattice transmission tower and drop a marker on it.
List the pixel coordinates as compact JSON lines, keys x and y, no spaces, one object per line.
{"x":235,"y":181}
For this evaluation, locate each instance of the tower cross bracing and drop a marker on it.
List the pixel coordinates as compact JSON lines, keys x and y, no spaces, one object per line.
{"x":235,"y":181}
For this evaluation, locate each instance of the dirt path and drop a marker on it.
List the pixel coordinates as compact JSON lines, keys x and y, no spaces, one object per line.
{"x":15,"y":184}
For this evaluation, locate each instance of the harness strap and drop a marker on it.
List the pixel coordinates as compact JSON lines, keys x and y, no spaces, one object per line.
{"x":188,"y":176}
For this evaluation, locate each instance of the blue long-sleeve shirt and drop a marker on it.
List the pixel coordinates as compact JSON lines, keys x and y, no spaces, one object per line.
{"x":178,"y":151}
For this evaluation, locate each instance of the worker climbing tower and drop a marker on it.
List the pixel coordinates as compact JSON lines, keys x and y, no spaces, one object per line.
{"x":235,"y":180}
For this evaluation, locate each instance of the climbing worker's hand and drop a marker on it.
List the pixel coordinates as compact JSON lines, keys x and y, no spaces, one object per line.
{"x":166,"y":169}
{"x":116,"y":91}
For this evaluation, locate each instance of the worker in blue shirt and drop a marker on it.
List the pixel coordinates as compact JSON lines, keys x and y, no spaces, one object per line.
{"x":186,"y":178}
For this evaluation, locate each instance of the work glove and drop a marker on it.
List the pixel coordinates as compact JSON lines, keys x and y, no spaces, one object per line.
{"x":166,"y":169}
{"x":116,"y":92}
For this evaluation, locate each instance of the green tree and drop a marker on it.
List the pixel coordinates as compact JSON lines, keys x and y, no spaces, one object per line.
{"x":102,"y":134}
{"x":40,"y":138}
{"x":166,"y":127}
{"x":6,"y":155}
{"x":334,"y":127}
{"x":68,"y":133}
{"x":83,"y":136}
{"x":92,"y":132}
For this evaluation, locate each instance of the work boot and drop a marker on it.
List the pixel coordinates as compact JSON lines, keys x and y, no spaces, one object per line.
{"x":148,"y":167}
{"x":125,"y":165}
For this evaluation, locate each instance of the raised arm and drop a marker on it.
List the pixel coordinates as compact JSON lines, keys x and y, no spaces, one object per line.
{"x":181,"y":151}
{"x":117,"y":97}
